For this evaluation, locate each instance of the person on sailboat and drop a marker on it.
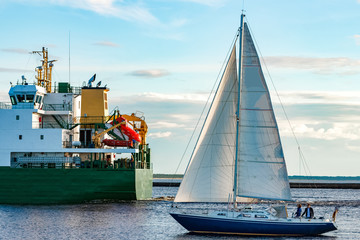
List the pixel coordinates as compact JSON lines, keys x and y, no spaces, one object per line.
{"x":298,"y":211}
{"x":309,"y":212}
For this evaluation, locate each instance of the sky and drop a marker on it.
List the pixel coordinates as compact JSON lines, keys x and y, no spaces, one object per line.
{"x":163,"y":57}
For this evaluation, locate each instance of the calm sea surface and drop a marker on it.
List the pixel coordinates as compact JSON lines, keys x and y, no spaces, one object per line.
{"x":150,"y":219}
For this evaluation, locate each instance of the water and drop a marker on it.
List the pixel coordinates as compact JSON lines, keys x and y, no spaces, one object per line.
{"x":150,"y":219}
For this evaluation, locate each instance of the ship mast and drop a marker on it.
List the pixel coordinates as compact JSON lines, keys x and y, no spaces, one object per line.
{"x":241,"y":29}
{"x":44,"y":71}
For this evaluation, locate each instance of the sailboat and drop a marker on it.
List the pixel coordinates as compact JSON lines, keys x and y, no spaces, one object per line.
{"x":239,"y":154}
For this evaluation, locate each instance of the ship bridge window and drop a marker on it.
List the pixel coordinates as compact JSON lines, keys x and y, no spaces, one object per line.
{"x":29,"y":98}
{"x":20,"y":98}
{"x":13,"y":100}
{"x":38,"y":98}
{"x":260,"y":216}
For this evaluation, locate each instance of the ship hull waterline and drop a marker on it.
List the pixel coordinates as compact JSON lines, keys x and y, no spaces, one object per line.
{"x":215,"y":225}
{"x":20,"y":186}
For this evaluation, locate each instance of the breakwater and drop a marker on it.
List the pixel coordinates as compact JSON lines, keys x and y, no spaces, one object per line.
{"x":295,"y":182}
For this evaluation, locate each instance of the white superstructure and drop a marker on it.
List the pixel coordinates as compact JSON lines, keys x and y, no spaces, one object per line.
{"x":40,"y":128}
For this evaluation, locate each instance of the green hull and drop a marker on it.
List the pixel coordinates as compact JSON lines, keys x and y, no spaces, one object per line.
{"x":68,"y":186}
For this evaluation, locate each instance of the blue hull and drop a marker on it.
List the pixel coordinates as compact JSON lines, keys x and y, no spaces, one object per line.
{"x":207,"y":224}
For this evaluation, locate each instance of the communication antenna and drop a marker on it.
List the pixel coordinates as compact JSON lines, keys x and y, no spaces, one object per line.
{"x":69,"y":57}
{"x":91,"y":80}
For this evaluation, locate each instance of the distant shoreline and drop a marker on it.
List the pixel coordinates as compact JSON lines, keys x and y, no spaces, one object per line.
{"x":337,"y":178}
{"x":340,"y":182}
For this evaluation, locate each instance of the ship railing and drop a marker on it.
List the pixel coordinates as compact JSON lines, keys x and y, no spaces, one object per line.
{"x":145,"y":165}
{"x":51,"y":124}
{"x":5,"y":105}
{"x":57,"y":107}
{"x":69,"y":144}
{"x":59,"y":160}
{"x":8,"y":105}
{"x":92,"y":119}
{"x":28,"y":105}
{"x":44,"y":162}
{"x":127,"y":163}
{"x":70,"y":89}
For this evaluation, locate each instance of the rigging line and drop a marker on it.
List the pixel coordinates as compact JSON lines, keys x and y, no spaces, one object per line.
{"x":221,"y":72}
{"x":69,"y":57}
{"x":306,"y":167}
{"x":225,"y":75}
{"x":277,"y":94}
{"x":207,"y":101}
{"x":27,"y":63}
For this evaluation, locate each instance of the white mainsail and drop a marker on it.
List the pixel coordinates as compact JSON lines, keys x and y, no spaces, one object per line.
{"x":261,"y":166}
{"x":209,"y":176}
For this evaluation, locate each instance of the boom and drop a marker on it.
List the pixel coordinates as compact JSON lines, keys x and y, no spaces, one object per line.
{"x":97,"y":136}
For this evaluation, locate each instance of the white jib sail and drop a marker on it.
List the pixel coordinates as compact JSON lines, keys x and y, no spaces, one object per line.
{"x":261,"y":166}
{"x":210,"y":174}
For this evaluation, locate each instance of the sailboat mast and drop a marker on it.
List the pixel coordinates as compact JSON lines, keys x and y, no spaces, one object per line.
{"x":238,"y":107}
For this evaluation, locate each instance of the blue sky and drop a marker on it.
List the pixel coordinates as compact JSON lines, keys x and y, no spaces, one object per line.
{"x":162,"y":57}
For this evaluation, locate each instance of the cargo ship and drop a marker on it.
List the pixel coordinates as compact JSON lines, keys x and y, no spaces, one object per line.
{"x":64,"y":146}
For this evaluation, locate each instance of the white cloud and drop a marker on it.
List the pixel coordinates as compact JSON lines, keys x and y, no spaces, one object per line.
{"x":318,"y":97}
{"x":167,"y":67}
{"x":211,"y":3}
{"x":163,"y":97}
{"x":16,"y":50}
{"x":179,"y":22}
{"x":339,"y":65}
{"x":357,"y":37}
{"x":116,"y":8}
{"x":4,"y":97}
{"x":326,"y":115}
{"x":107,"y":44}
{"x":354,"y":148}
{"x":325,"y":130}
{"x":163,"y":124}
{"x":159,"y":135}
{"x":154,"y":73}
{"x":13,"y":70}
{"x":183,"y":117}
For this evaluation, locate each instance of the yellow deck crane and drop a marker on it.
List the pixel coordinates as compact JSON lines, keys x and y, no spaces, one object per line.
{"x":142,"y":130}
{"x":97,"y":136}
{"x":140,"y":126}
